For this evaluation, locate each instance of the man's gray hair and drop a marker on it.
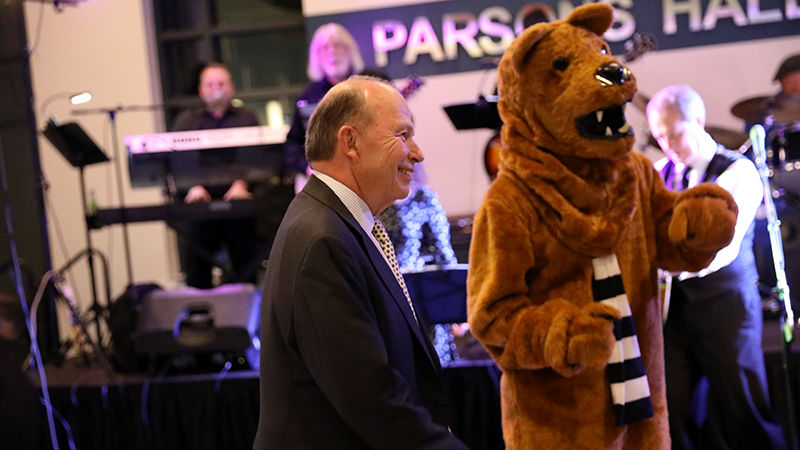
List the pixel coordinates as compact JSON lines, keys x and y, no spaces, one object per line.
{"x":342,"y":105}
{"x":682,"y":98}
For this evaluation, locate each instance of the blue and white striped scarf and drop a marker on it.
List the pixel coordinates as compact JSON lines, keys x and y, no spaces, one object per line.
{"x":629,"y":389}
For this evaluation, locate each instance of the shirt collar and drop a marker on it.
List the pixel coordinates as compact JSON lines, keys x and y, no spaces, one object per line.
{"x":355,"y":204}
{"x":708,"y":148}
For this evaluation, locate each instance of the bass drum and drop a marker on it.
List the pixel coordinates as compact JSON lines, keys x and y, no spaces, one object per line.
{"x":784,"y":155}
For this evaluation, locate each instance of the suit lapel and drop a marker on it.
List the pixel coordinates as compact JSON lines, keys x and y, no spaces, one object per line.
{"x":319,"y":190}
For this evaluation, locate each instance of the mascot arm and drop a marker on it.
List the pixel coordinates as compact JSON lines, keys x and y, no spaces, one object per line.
{"x":519,"y":331}
{"x":692,"y":226}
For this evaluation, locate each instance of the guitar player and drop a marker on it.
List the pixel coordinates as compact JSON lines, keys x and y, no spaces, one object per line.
{"x":333,"y":56}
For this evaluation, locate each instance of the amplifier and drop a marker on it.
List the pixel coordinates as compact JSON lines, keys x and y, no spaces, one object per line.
{"x":190,"y":321}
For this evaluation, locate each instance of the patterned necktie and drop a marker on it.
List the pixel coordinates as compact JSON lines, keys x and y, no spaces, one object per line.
{"x":680,"y":181}
{"x":685,"y":178}
{"x":386,"y":245}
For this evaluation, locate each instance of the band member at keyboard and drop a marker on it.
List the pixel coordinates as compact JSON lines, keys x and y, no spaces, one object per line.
{"x":200,"y":241}
{"x":344,"y":361}
{"x":333,"y":56}
{"x":712,"y":335}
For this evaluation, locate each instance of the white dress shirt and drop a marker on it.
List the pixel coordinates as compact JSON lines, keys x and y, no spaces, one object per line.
{"x":357,"y":207}
{"x":742,"y":181}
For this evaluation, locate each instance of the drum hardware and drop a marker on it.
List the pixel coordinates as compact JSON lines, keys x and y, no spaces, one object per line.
{"x":780,"y":115}
{"x":783,"y":156}
{"x":731,"y":139}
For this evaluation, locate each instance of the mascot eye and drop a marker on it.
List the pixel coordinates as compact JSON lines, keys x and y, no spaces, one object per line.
{"x":561,"y":64}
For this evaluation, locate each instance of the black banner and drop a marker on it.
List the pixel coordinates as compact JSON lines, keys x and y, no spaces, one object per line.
{"x":457,"y":36}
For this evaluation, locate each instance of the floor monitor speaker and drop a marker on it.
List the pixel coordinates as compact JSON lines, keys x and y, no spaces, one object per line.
{"x":199,"y":321}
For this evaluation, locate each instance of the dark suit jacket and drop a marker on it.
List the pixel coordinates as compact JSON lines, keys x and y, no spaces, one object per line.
{"x":343,"y":362}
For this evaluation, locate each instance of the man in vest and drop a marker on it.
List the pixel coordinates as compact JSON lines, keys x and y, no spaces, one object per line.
{"x":716,"y":382}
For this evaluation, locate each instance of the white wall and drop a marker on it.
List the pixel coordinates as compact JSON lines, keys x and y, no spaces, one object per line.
{"x":100,"y":46}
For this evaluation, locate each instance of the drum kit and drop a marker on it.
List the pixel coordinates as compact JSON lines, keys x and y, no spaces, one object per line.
{"x":780,"y":115}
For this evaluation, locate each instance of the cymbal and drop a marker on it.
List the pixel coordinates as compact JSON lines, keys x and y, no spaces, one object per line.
{"x":785,"y":109}
{"x":727,"y":138}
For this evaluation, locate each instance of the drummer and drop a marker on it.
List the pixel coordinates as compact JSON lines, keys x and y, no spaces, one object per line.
{"x":788,"y":75}
{"x":779,"y":113}
{"x":784,"y":137}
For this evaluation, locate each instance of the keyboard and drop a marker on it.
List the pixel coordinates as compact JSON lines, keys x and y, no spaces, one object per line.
{"x":172,"y":212}
{"x":214,"y":157}
{"x":218,"y":138}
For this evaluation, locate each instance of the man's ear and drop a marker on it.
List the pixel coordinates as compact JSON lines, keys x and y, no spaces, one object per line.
{"x":700,"y":122}
{"x":347,"y":139}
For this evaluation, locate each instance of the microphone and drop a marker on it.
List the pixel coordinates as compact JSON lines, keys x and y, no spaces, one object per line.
{"x":758,"y":139}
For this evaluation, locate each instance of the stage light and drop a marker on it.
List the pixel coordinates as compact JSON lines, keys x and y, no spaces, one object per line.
{"x":81,"y":98}
{"x":76,"y":98}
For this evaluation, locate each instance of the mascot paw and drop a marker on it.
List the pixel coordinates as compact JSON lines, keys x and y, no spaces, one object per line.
{"x":581,"y":339}
{"x":704,"y":219}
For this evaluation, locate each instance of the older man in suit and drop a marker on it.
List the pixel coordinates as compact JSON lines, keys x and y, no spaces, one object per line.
{"x":344,"y":362}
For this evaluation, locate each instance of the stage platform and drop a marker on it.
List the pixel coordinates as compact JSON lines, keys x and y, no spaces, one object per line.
{"x":220,"y":410}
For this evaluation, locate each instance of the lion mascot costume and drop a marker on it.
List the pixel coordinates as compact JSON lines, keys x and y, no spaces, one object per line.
{"x":563,"y":284}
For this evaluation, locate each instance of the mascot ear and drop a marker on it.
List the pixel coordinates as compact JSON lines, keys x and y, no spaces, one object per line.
{"x":523,"y":45}
{"x":595,"y":17}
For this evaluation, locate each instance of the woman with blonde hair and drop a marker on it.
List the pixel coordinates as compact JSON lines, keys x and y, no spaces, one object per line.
{"x":333,"y":56}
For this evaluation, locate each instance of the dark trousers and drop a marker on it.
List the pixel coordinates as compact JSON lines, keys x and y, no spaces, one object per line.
{"x":716,"y":383}
{"x":199,"y":242}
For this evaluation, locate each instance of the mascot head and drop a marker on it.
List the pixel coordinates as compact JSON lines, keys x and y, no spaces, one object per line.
{"x":561,"y":89}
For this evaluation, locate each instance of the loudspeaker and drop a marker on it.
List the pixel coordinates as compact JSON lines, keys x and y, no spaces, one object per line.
{"x":199,"y":321}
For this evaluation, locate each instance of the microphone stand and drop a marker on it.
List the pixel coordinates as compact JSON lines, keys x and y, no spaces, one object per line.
{"x":786,"y":320}
{"x":90,"y":254}
{"x":112,"y":114}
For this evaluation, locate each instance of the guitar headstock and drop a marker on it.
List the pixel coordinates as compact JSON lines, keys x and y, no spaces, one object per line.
{"x":637,"y":46}
{"x":413,"y":83}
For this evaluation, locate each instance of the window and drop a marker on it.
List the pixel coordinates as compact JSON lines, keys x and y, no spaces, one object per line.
{"x":263,"y":43}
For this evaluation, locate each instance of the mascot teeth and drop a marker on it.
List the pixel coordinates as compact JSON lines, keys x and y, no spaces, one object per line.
{"x":607,"y":123}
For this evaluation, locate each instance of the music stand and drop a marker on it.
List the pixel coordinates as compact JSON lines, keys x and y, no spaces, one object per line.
{"x":481,"y":114}
{"x":441,"y":295}
{"x":74,"y":144}
{"x":80,"y":151}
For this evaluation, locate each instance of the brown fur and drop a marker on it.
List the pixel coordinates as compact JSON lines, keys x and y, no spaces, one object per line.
{"x":561,"y":199}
